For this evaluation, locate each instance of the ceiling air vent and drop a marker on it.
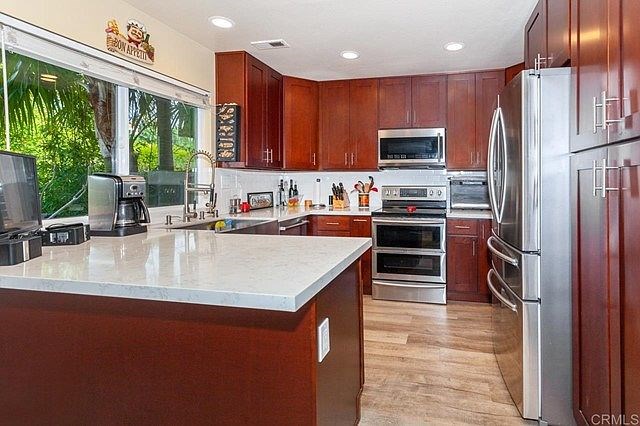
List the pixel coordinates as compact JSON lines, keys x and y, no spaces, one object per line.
{"x":270,"y":44}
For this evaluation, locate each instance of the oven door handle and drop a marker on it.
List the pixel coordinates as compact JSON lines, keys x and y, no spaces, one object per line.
{"x":494,"y":250}
{"x":409,"y":221}
{"x":497,"y":294}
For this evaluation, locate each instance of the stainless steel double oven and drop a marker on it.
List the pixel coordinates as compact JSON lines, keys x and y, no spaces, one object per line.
{"x":409,"y":245}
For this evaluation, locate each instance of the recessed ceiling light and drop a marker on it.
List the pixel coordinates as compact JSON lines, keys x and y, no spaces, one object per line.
{"x":350,"y":54}
{"x":453,"y":46}
{"x":221,"y":22}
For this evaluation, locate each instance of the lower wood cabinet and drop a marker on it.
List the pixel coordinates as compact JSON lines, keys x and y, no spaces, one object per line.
{"x":606,"y":293}
{"x":346,"y":226}
{"x":468,"y":259}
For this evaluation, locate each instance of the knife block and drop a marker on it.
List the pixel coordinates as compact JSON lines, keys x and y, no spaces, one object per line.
{"x":341,"y":204}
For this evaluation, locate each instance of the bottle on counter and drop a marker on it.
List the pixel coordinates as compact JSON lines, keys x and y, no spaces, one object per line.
{"x":291,"y":193}
{"x":295,"y":190}
{"x":286,"y":193}
{"x":281,"y":201}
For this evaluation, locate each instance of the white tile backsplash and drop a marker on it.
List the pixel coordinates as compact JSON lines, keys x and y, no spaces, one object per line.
{"x":230,"y":183}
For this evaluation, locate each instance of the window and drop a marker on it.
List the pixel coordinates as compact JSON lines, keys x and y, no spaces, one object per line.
{"x":162,"y":136}
{"x":80,"y":110}
{"x":64,"y":119}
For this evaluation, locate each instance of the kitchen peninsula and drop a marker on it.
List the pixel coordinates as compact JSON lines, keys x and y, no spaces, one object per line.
{"x":184,"y":327}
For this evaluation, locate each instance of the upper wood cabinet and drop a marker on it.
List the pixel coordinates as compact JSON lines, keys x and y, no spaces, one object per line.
{"x":606,"y":60}
{"x":300,"y":138}
{"x":471,"y":100}
{"x":461,"y":122}
{"x":546,"y":34}
{"x":349,"y":124}
{"x":257,"y":89}
{"x":334,"y":124}
{"x":488,"y":86}
{"x":394,"y":103}
{"x":512,"y":71}
{"x":418,"y":101}
{"x":428,"y":101}
{"x":363,"y":123}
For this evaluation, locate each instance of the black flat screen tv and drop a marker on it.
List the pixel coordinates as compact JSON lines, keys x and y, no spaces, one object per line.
{"x":20,"y":210}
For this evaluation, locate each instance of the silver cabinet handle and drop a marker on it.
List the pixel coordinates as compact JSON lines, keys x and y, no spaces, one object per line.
{"x":266,"y":156}
{"x":332,"y":223}
{"x":539,"y":61}
{"x":473,"y":251}
{"x":297,"y":225}
{"x":462,"y":227}
{"x":313,"y":158}
{"x":346,"y":159}
{"x":497,"y":294}
{"x":605,"y":113}
{"x":603,"y":188}
{"x":408,"y":121}
{"x":353,"y":157}
{"x":595,"y":106}
{"x":501,"y":255}
{"x":360,"y":220}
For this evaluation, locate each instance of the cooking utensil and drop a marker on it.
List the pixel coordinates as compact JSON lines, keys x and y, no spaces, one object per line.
{"x":358,"y":187}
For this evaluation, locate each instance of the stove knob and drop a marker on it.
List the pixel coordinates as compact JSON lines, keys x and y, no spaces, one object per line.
{"x":431,"y":193}
{"x":439,"y":192}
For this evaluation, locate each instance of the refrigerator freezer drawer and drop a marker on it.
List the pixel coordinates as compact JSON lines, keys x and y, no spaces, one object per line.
{"x":515,"y":326}
{"x":520,"y":271}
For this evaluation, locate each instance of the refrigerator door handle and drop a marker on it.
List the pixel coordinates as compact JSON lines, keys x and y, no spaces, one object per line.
{"x":498,"y":253}
{"x":491,"y":163}
{"x":497,"y":294}
{"x":503,"y":162}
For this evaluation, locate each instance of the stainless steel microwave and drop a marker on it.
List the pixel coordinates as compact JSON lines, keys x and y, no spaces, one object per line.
{"x":411,"y":148}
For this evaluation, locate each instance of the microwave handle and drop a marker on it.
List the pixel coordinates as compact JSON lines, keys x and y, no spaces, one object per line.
{"x":440,"y":150}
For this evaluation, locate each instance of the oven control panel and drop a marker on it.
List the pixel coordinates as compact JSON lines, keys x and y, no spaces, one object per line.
{"x":417,"y":193}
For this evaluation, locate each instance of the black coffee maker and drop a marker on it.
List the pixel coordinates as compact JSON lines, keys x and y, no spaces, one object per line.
{"x":116,"y":205}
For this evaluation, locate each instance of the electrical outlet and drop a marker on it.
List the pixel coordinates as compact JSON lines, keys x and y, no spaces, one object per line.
{"x":323,"y":339}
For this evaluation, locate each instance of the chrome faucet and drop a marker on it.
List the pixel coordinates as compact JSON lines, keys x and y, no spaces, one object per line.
{"x":187,"y":214}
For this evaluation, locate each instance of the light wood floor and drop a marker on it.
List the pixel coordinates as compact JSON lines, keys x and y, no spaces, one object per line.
{"x":432,"y":365}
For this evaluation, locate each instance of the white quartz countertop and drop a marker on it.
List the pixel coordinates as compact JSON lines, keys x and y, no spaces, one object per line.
{"x":270,"y":272}
{"x":468,"y":214}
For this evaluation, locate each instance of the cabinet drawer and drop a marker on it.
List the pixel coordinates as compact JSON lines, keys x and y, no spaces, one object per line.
{"x":332,"y":234}
{"x":462,"y":227}
{"x":334,"y":223}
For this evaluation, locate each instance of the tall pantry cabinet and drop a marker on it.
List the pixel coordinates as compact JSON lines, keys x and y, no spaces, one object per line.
{"x":605,"y":54}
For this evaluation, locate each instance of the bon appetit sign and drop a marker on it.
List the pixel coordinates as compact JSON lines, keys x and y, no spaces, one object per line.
{"x":134,"y":43}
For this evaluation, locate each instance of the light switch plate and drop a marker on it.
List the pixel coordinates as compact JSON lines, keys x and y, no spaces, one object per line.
{"x":323,"y":339}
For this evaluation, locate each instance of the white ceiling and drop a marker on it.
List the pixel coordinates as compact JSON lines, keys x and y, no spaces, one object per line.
{"x":393,"y":37}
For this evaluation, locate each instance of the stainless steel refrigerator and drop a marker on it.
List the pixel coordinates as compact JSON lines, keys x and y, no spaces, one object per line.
{"x":530,"y":275}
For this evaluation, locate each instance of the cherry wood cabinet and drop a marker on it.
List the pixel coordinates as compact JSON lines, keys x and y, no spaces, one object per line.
{"x":535,"y":36}
{"x":361,"y":227}
{"x":257,"y":89}
{"x":606,"y":60}
{"x":558,"y":35}
{"x":300,"y":137}
{"x":488,"y":86}
{"x":334,"y":124}
{"x":417,"y":101}
{"x":461,"y":121}
{"x":394,"y":103}
{"x":512,"y":71}
{"x":349,"y":124}
{"x":624,"y":70}
{"x":606,"y":295}
{"x":546,"y":34}
{"x":346,"y":226}
{"x":468,"y":259}
{"x":429,"y":101}
{"x":363,"y":124}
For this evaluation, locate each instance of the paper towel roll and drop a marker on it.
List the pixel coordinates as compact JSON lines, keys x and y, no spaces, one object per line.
{"x":317,"y":195}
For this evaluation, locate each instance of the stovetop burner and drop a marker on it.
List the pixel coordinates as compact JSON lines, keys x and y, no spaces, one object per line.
{"x":413,"y":202}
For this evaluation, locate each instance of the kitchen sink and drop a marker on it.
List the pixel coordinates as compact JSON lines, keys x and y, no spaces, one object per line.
{"x":237,"y":226}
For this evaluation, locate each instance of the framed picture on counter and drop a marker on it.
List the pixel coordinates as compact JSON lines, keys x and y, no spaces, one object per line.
{"x":260,"y":200}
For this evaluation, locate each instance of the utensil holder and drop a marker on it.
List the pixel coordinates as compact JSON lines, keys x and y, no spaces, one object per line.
{"x":363,"y":199}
